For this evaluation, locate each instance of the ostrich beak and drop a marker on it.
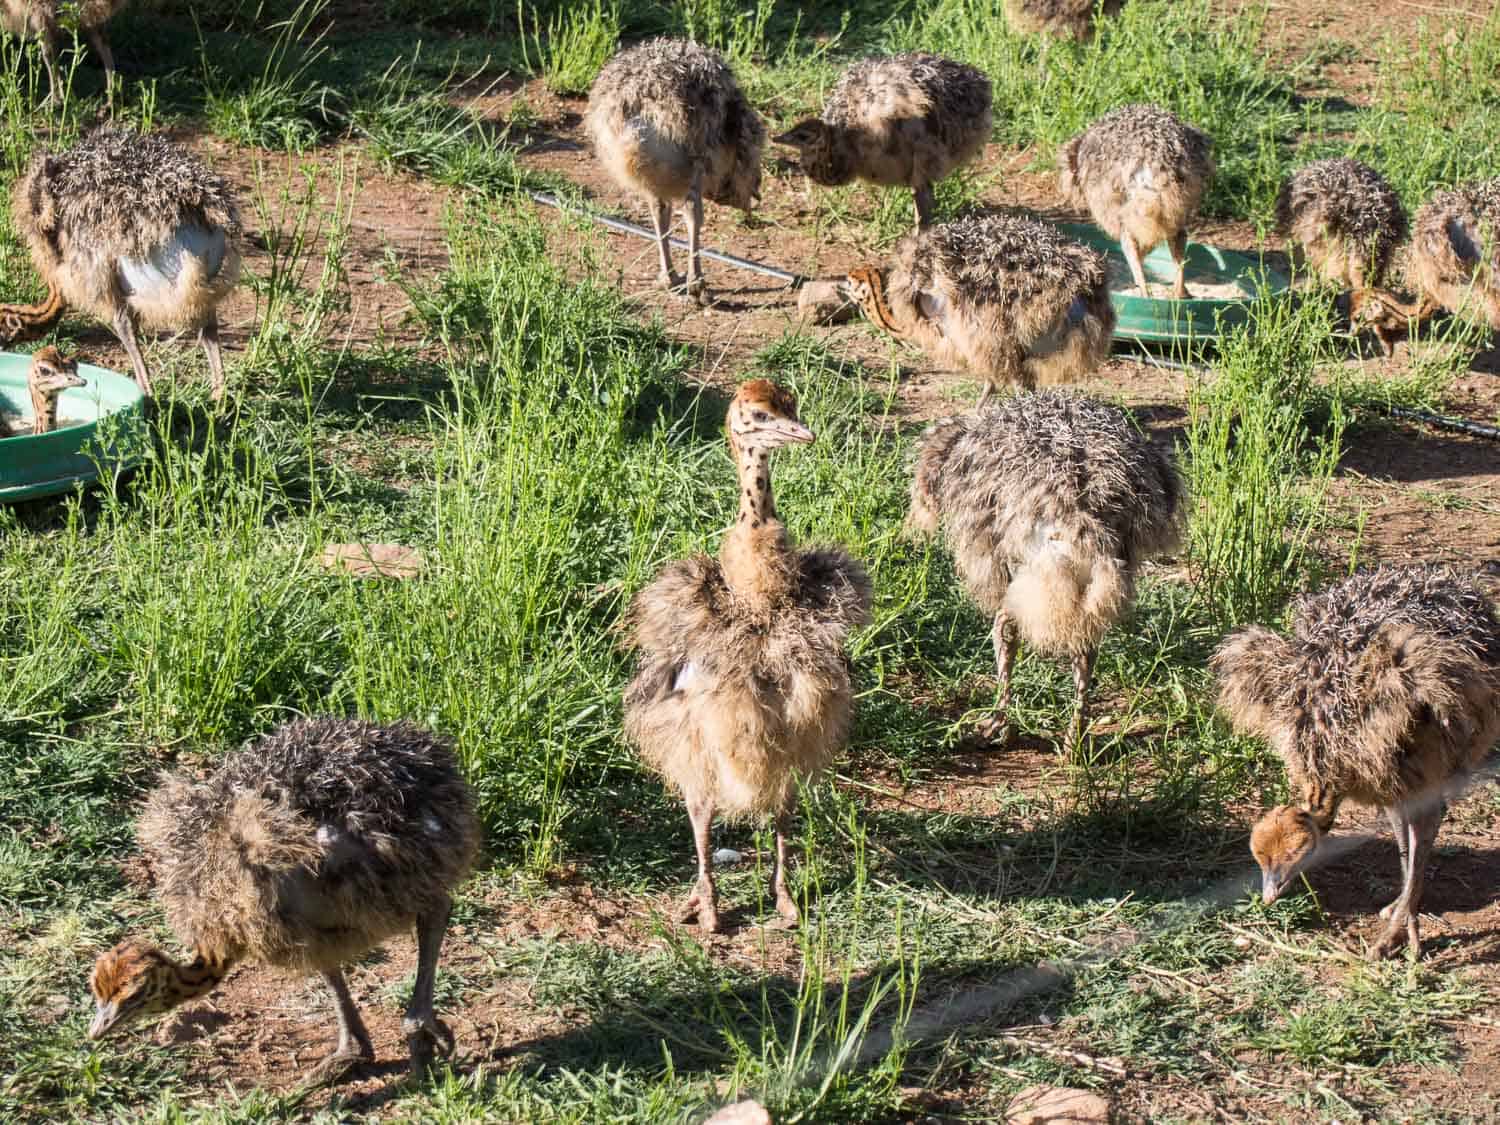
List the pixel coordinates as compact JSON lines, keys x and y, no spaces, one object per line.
{"x":1272,"y":886}
{"x":104,"y":1020}
{"x":797,"y":433}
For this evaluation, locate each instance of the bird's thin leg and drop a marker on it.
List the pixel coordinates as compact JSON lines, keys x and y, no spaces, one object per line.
{"x":1403,"y":845}
{"x":209,"y":335}
{"x":1133,"y":258}
{"x":661,"y":219}
{"x":1177,"y":244}
{"x":703,"y":903}
{"x":1083,"y":672}
{"x":107,"y":60}
{"x":423,"y":1029}
{"x":786,"y":906}
{"x":49,"y":60}
{"x":925,"y":200}
{"x":354,"y":1045}
{"x":1006,"y":640}
{"x":125,"y":330}
{"x":693,"y":211}
{"x":1401,"y":927}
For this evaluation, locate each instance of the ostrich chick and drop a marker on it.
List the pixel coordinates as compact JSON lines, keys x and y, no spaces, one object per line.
{"x":134,"y":230}
{"x":51,"y":373}
{"x":742,"y":683}
{"x":1070,"y":19}
{"x":1049,"y":504}
{"x":1346,"y":220}
{"x":1386,"y":693}
{"x":903,"y":121}
{"x":41,"y":19}
{"x":304,"y":850}
{"x":668,"y":122}
{"x":1007,"y":297}
{"x":1141,"y":172}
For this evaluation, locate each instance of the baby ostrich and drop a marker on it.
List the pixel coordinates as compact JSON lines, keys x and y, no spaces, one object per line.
{"x":1347,"y":222}
{"x":1070,"y":19}
{"x":1049,"y":503}
{"x":742,"y":683}
{"x":50,"y":374}
{"x":1007,"y":297}
{"x":1141,"y":172}
{"x":668,"y":122}
{"x":903,"y":121}
{"x":1454,"y":260}
{"x":40,"y":19}
{"x":134,"y":230}
{"x":1387,"y":691}
{"x":305,"y":849}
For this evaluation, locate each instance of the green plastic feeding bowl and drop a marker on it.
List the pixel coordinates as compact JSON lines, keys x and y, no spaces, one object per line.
{"x":101,"y":427}
{"x":1223,"y":285}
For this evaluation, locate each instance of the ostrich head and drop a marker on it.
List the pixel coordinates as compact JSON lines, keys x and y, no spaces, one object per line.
{"x":1282,"y":842}
{"x":52,"y":372}
{"x":763,"y":417}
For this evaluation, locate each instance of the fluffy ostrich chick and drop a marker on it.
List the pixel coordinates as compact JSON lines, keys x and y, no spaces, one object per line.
{"x":50,"y":374}
{"x":742,"y":683}
{"x":1387,"y":692}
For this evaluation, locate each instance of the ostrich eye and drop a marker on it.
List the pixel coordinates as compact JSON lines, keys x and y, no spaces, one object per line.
{"x":760,"y":416}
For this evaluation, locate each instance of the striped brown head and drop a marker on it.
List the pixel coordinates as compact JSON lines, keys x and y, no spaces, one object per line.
{"x":763,"y":416}
{"x":865,"y":287}
{"x":131,"y":982}
{"x":1283,"y":841}
{"x":52,"y":372}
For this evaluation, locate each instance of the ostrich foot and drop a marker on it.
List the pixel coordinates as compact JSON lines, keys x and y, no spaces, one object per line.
{"x":424,"y":1034}
{"x":336,"y":1067}
{"x":1401,"y":931}
{"x":702,"y":904}
{"x":995,"y":731}
{"x":791,"y":917}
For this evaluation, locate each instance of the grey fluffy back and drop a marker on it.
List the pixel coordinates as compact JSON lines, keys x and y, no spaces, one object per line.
{"x":1455,"y":247}
{"x":1388,"y":683}
{"x":119,"y":190}
{"x":312,"y":843}
{"x":1347,"y":205}
{"x":1048,"y":468}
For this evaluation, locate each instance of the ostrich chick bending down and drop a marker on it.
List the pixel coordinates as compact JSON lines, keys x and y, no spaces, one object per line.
{"x":1049,"y":503}
{"x":134,"y":230}
{"x":1347,"y":222}
{"x":306,"y":849}
{"x":1141,"y":172}
{"x":1454,"y":261}
{"x":1071,"y":19}
{"x":1386,"y":693}
{"x":40,"y":19}
{"x":50,"y":374}
{"x":742,"y":683}
{"x":1007,"y":297}
{"x":668,"y":122}
{"x":903,"y":121}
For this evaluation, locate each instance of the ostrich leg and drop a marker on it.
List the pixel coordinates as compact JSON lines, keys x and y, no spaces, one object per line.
{"x":925,"y":200}
{"x":125,"y":330}
{"x":697,"y":288}
{"x":1133,"y":258}
{"x":107,"y":60}
{"x":1401,"y":928}
{"x":1006,"y":640}
{"x":786,"y":906}
{"x":1083,"y":672}
{"x":703,"y":903}
{"x":354,"y":1045}
{"x":1399,"y":829}
{"x":423,"y":1029}
{"x":209,"y":336}
{"x":661,"y":219}
{"x":1177,"y":244}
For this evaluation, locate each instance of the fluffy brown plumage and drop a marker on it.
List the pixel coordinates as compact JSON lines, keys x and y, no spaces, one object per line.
{"x":1049,"y":502}
{"x":136,"y":231}
{"x":1455,"y":251}
{"x":49,"y":375}
{"x":668,"y":122}
{"x":307,"y":848}
{"x":42,"y":20}
{"x":1141,"y":172}
{"x":1073,"y":19}
{"x":742,"y":685}
{"x":1346,"y":219}
{"x":1007,"y":297}
{"x":902,"y":121}
{"x":1385,"y":693}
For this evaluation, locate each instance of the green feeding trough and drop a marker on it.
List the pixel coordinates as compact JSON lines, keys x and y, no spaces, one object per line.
{"x":101,"y":426}
{"x":1223,"y":284}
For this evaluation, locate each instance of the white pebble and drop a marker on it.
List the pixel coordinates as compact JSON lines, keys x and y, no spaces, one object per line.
{"x":727,"y":857}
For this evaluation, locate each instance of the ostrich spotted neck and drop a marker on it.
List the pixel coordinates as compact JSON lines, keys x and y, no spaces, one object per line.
{"x":754,"y":555}
{"x":133,"y":981}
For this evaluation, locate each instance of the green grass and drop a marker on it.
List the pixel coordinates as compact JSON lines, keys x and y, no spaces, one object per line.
{"x":547,"y":451}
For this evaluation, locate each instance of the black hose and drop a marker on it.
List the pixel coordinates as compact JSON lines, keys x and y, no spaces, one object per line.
{"x":792,"y":280}
{"x":1445,"y":422}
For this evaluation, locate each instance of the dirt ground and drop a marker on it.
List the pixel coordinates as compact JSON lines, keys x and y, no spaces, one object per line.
{"x":1424,"y":495}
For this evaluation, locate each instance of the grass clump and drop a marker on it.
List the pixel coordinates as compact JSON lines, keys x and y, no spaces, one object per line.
{"x":579,"y":40}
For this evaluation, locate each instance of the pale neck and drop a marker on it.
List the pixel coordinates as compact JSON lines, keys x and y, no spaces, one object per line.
{"x":43,"y":412}
{"x":757,"y":505}
{"x":754,"y":556}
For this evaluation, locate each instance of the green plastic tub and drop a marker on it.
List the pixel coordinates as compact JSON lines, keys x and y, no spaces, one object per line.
{"x":101,"y":426}
{"x":1197,"y":320}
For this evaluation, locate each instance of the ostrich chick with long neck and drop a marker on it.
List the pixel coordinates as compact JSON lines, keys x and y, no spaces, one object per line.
{"x":742,"y":684}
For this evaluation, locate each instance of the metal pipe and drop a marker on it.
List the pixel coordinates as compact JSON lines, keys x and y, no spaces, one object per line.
{"x":1445,"y":422}
{"x":791,"y":280}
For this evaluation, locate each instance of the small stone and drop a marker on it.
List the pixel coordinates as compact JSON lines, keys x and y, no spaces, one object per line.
{"x":372,"y":560}
{"x":1056,"y":1105}
{"x":728,"y":857}
{"x":821,"y":302}
{"x":740,"y":1113}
